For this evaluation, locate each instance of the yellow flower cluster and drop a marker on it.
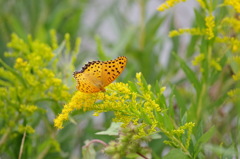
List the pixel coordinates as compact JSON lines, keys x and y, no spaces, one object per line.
{"x":198,"y":59}
{"x":18,"y":44}
{"x":235,"y":62}
{"x":186,"y":128}
{"x":234,"y":3}
{"x":29,"y":82}
{"x":27,"y":129}
{"x":134,"y":106}
{"x":215,"y":64}
{"x":202,"y":3}
{"x":32,"y":63}
{"x":169,"y":4}
{"x":236,"y":77}
{"x":54,"y":39}
{"x":127,"y":105}
{"x":234,"y":94}
{"x":210,"y":24}
{"x":235,"y":59}
{"x":233,"y":22}
{"x":67,"y":40}
{"x":233,"y":42}
{"x":192,"y":31}
{"x":20,"y":63}
{"x":77,"y":44}
{"x":28,"y":108}
{"x":80,"y":100}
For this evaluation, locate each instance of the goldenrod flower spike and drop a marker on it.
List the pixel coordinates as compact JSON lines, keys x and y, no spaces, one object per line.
{"x":169,"y":4}
{"x":210,"y":24}
{"x":234,"y":3}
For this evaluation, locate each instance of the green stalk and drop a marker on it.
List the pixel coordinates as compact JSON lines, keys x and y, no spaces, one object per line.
{"x":4,"y":137}
{"x":21,"y":147}
{"x":142,"y":24}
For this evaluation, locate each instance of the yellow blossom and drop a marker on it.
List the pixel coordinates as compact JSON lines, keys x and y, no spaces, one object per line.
{"x":138,"y":76}
{"x":178,"y":132}
{"x":233,"y":22}
{"x":20,"y":63}
{"x":77,"y":44}
{"x":233,"y":43}
{"x":67,"y":40}
{"x":210,"y":24}
{"x":18,"y":44}
{"x":28,"y":108}
{"x":134,"y":105}
{"x":169,"y":4}
{"x":235,"y":59}
{"x":234,"y":92}
{"x":234,"y":3}
{"x":192,"y":31}
{"x":198,"y":59}
{"x":216,"y":65}
{"x":162,"y":89}
{"x":202,"y":3}
{"x":54,"y":39}
{"x":235,"y":48}
{"x":236,"y":77}
{"x":27,"y":129}
{"x":127,"y":105}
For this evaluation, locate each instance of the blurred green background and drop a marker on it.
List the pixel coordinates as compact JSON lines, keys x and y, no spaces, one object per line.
{"x":124,"y":28}
{"x":108,"y":29}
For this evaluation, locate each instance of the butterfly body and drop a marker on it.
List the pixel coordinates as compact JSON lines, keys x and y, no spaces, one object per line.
{"x":96,"y":75}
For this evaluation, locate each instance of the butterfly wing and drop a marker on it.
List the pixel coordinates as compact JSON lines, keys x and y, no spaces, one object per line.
{"x":89,"y":78}
{"x":112,"y":69}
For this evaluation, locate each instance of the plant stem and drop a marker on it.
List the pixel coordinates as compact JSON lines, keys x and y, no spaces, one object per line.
{"x":142,"y":155}
{"x":142,"y":24}
{"x":22,"y":144}
{"x":97,"y":141}
{"x":4,"y":137}
{"x":44,"y":152}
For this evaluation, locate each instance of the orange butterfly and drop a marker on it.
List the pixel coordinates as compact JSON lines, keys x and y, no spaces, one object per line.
{"x":96,"y":75}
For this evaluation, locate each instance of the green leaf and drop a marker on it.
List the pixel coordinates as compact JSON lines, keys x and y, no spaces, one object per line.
{"x":165,"y":120}
{"x":125,"y":39}
{"x":199,"y":18}
{"x":203,"y":139}
{"x":156,"y":136}
{"x":100,"y":51}
{"x":153,"y":25}
{"x":222,"y":152}
{"x":189,"y":73}
{"x":192,"y":46}
{"x":88,"y":152}
{"x":112,"y":130}
{"x":176,"y":153}
{"x":181,"y":101}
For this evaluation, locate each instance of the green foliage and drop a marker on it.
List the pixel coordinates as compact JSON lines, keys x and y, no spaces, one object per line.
{"x":30,"y":91}
{"x":37,"y":18}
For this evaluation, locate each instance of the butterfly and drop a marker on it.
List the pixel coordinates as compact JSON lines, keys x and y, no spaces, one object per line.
{"x":96,"y":75}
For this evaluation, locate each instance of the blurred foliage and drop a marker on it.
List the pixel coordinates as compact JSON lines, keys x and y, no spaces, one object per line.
{"x":202,"y":82}
{"x":32,"y":91}
{"x":38,"y":18}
